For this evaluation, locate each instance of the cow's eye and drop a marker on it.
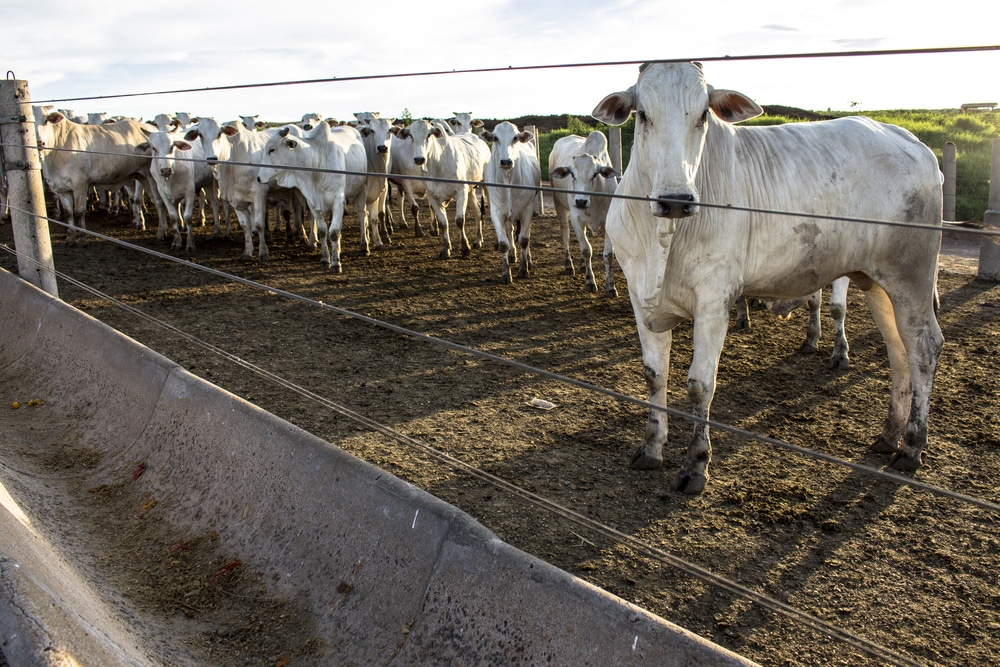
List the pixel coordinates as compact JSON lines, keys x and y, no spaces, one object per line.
{"x":703,"y":119}
{"x":270,"y":151}
{"x":641,"y":116}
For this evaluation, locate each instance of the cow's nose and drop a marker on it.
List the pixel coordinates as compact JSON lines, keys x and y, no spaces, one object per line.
{"x":418,"y":160}
{"x":382,"y":149}
{"x":506,"y":164}
{"x":211,"y":158}
{"x":307,"y":127}
{"x":165,"y":173}
{"x":581,"y":202}
{"x":675,"y":206}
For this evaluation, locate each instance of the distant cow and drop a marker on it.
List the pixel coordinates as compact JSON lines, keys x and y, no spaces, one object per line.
{"x":840,"y":358}
{"x":89,"y":155}
{"x":335,"y":162}
{"x":513,"y":163}
{"x":230,"y":147}
{"x":401,"y":167}
{"x":463,"y":122}
{"x":179,"y":170}
{"x":582,"y":169}
{"x":692,"y":248}
{"x":459,"y":160}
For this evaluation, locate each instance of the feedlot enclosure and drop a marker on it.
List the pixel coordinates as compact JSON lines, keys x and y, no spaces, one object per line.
{"x":899,"y":566}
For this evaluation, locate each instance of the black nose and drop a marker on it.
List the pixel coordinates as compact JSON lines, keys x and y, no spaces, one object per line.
{"x":675,"y":206}
{"x":382,"y":149}
{"x":418,"y":160}
{"x":211,"y":158}
{"x":506,"y":164}
{"x":307,"y":126}
{"x":580,"y":202}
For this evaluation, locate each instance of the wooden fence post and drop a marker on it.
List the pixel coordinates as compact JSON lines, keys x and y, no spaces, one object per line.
{"x":948,"y":167}
{"x":23,"y":170}
{"x":540,"y":200}
{"x":615,"y":147}
{"x":989,"y":248}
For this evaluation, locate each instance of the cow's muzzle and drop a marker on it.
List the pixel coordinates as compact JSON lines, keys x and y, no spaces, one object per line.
{"x":419,"y":160}
{"x":674,"y":206}
{"x":581,"y":202}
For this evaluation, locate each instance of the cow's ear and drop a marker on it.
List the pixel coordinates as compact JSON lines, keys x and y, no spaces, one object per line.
{"x":142,"y":149}
{"x":560,"y":172}
{"x":182,"y":146}
{"x":616,"y":107}
{"x":477,"y":123}
{"x":732,"y":106}
{"x":291,"y":143}
{"x":609,"y":172}
{"x":230,"y":130}
{"x":436,"y":132}
{"x":192,"y":134}
{"x":488,"y":136}
{"x":526,"y":137}
{"x":366,"y":131}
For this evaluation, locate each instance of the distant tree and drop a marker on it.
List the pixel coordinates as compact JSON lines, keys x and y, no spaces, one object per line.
{"x":405,"y":117}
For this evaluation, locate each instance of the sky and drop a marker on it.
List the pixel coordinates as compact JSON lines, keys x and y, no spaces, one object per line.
{"x":76,"y":50}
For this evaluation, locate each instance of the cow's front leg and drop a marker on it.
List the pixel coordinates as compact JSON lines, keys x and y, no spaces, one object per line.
{"x":708,"y":336}
{"x":441,"y":216}
{"x":656,"y":367}
{"x":461,"y":204}
{"x":841,"y":357}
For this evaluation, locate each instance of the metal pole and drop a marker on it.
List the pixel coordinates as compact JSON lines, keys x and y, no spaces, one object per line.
{"x":24,"y":187}
{"x":989,"y":248}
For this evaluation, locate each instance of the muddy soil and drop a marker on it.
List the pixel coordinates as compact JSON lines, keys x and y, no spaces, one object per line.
{"x":904,"y":568}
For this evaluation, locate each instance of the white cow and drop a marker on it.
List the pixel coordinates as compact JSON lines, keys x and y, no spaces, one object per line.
{"x":179,"y":170}
{"x":582,"y":169}
{"x":326,"y":154}
{"x":251,"y":123}
{"x":230,"y":147}
{"x":513,"y":163}
{"x":310,"y":120}
{"x":459,"y":160}
{"x":691,"y":250}
{"x":463,"y":122}
{"x":377,"y":134}
{"x":89,"y":155}
{"x":401,"y":169}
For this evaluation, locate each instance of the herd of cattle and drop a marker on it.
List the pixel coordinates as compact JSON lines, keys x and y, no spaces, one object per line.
{"x":312,"y":170}
{"x":706,"y":212}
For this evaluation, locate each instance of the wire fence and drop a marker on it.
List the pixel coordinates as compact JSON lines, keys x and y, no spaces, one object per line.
{"x":871,"y":648}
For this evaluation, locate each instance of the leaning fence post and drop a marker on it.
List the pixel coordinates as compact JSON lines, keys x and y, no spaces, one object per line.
{"x":615,"y":147}
{"x":24,"y":187}
{"x":989,"y":248}
{"x":949,"y":168}
{"x":539,"y":200}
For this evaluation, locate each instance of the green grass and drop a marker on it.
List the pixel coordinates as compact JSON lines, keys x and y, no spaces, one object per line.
{"x":971,"y":132}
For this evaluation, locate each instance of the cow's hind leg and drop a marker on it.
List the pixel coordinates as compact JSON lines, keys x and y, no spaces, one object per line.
{"x":899,"y":403}
{"x":921,"y":335}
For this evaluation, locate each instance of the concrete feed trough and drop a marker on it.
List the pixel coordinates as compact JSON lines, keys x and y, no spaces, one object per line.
{"x":429,"y":585}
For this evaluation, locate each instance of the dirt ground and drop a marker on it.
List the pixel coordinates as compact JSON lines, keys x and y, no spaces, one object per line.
{"x":904,"y":568}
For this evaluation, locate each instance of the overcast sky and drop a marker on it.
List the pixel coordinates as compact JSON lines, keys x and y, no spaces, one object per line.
{"x":79,"y":49}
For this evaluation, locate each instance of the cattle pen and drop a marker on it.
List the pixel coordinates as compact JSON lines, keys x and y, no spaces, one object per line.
{"x":787,"y":558}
